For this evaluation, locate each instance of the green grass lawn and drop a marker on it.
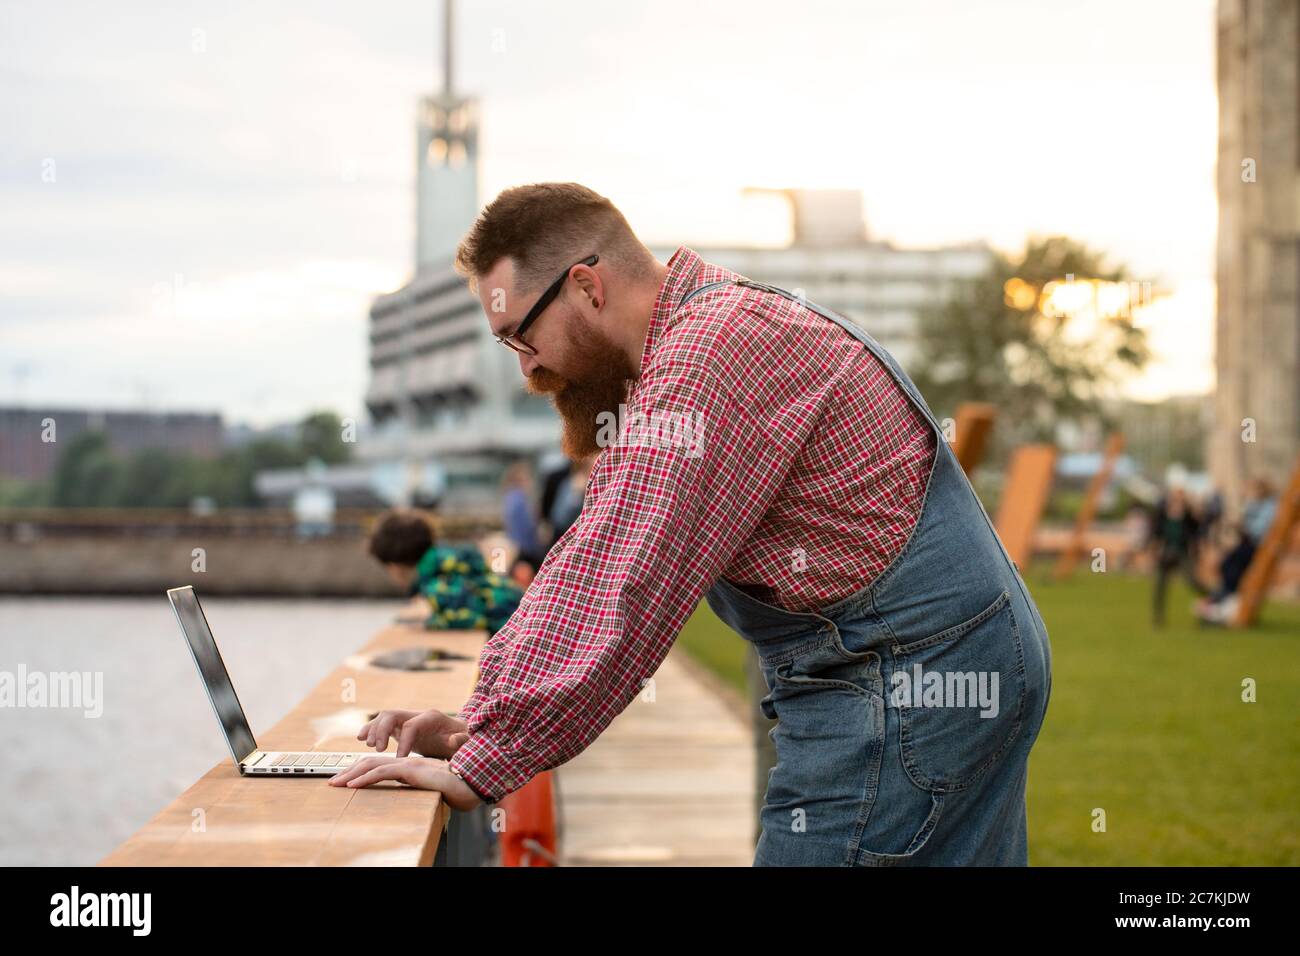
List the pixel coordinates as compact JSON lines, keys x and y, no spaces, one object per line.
{"x":1147,"y":725}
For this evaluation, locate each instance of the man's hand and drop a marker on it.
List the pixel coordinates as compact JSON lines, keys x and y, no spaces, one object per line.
{"x":420,"y":772}
{"x":430,"y":732}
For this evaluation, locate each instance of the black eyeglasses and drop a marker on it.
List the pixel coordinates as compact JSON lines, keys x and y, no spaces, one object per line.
{"x":513,"y":340}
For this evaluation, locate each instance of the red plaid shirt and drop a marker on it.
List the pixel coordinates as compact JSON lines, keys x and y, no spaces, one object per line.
{"x":796,"y":470}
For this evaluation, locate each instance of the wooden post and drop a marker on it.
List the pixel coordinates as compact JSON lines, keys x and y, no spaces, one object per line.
{"x":1024,"y":495}
{"x":1088,"y":510}
{"x":1269,"y":554}
{"x":973,"y":424}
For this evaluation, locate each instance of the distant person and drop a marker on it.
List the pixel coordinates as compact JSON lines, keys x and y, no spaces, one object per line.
{"x":569,"y":497}
{"x":1256,"y":520}
{"x":553,"y":481}
{"x":1211,"y":516}
{"x":1174,"y":538}
{"x":521,"y":524}
{"x":522,"y":573}
{"x":1257,"y":517}
{"x":1137,"y":523}
{"x":461,"y":592}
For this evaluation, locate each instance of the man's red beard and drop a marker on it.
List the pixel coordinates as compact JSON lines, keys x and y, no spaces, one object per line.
{"x":598,"y":384}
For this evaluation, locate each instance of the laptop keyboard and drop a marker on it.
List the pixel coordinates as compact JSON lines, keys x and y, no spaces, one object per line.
{"x":316,"y":760}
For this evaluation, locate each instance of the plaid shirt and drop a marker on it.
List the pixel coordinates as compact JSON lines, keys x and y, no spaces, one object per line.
{"x":793,"y":466}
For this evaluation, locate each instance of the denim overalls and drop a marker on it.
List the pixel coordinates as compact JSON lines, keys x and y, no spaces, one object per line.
{"x":905,"y":712}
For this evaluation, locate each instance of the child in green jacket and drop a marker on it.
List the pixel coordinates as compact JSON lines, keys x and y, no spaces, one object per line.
{"x":462,"y":592}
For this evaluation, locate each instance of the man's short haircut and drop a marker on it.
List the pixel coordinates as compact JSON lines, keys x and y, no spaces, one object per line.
{"x":545,"y":228}
{"x":401,"y":537}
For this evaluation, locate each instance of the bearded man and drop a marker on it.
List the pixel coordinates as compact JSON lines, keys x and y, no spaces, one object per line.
{"x":813,"y":502}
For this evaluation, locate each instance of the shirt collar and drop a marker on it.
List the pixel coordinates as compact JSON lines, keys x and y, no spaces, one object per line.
{"x":683,"y":274}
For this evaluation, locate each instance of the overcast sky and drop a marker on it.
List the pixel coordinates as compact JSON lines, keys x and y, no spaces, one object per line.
{"x":198,"y":200}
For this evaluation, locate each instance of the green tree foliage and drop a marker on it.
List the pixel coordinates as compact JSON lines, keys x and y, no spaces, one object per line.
{"x":16,"y":493}
{"x":993,"y":343}
{"x":150,"y":479}
{"x":321,"y":436}
{"x":86,"y":473}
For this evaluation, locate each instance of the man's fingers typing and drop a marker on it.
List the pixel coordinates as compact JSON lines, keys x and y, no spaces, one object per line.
{"x":407,"y":740}
{"x":359,"y":767}
{"x":389,"y":770}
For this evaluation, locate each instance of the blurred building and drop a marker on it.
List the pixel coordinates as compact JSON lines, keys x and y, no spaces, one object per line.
{"x":241,"y":434}
{"x":1159,"y":435}
{"x":350,"y":485}
{"x":442,"y":388}
{"x":1258,"y":322}
{"x":27,"y":454}
{"x":833,"y":263}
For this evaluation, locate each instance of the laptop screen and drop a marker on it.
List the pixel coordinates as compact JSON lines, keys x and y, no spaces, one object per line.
{"x":213,"y":671}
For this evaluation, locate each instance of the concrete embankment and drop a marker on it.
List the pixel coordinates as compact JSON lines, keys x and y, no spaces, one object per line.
{"x":250,"y":554}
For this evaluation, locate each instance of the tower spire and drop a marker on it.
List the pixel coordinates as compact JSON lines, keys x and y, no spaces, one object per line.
{"x":447,"y":34}
{"x":447,"y":155}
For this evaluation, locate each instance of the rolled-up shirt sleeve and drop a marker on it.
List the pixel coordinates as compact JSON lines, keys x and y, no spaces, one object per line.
{"x":491,"y":656}
{"x":669,"y":505}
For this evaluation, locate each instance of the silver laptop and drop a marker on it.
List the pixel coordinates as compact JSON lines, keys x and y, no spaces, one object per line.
{"x":248,"y":758}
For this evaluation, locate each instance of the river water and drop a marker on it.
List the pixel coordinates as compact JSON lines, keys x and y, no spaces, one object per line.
{"x":75,"y":786}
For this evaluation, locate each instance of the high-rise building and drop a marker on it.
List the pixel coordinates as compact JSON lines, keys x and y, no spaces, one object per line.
{"x":1257,"y":404}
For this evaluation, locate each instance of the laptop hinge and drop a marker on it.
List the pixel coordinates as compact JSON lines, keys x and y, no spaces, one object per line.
{"x":251,"y":759}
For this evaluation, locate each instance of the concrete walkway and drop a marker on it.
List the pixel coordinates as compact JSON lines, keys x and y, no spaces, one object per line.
{"x":670,"y":782}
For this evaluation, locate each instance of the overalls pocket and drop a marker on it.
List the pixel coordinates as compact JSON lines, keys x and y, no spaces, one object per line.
{"x":829,"y":737}
{"x":960,"y":695}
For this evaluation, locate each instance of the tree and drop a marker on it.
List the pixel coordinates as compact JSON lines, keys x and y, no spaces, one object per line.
{"x":321,"y":436}
{"x":1004,"y":341}
{"x":151,"y":478}
{"x":86,"y":473}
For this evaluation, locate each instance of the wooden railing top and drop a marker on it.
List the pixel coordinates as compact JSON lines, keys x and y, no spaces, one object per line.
{"x":228,"y":820}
